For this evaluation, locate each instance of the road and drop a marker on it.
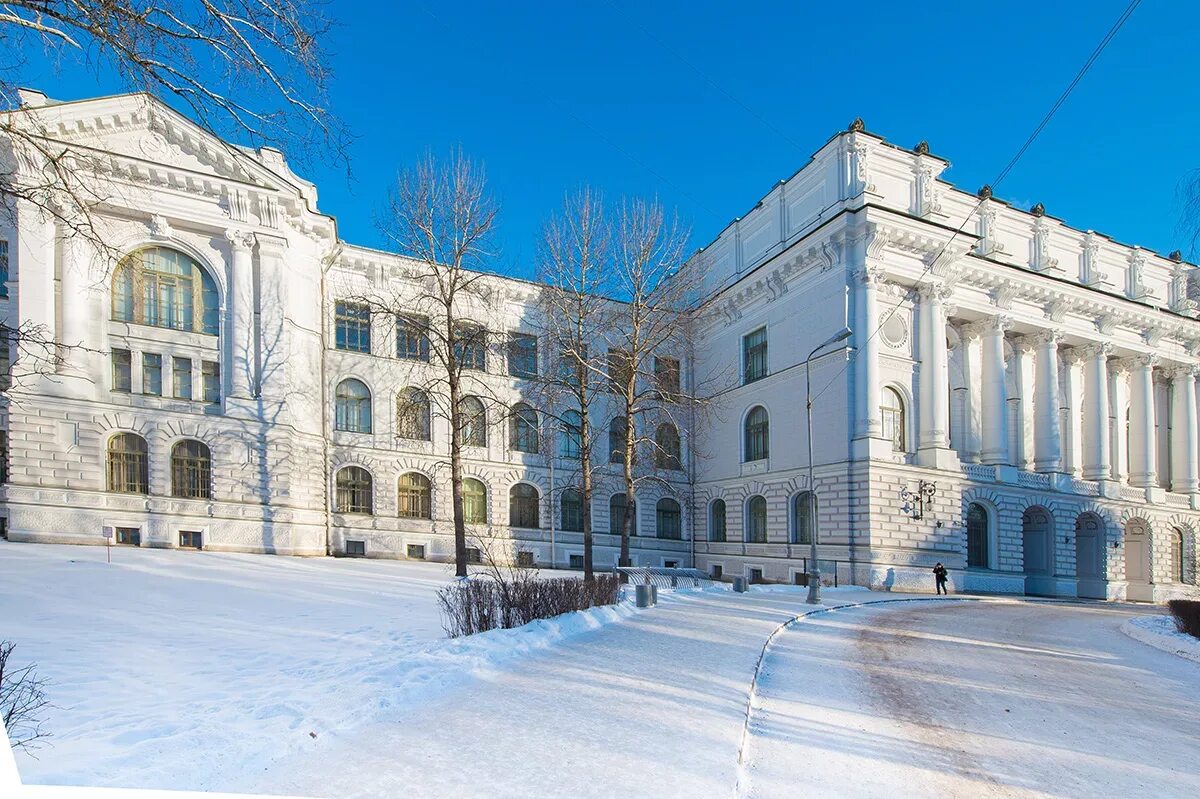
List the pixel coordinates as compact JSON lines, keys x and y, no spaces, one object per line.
{"x":974,"y":699}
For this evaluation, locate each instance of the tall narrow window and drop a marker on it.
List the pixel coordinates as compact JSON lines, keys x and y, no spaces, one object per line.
{"x":412,"y":415}
{"x":620,"y":370}
{"x":523,"y":506}
{"x":754,"y":355}
{"x":352,"y":407}
{"x":412,"y":337}
{"x":3,"y":267}
{"x":757,"y":434}
{"x":803,"y":511}
{"x":352,"y":492}
{"x":666,"y":377}
{"x":571,"y":511}
{"x":122,"y":365}
{"x":572,"y":362}
{"x":474,"y":495}
{"x":523,"y":429}
{"x":152,"y":374}
{"x":756,"y":520}
{"x":570,"y":442}
{"x":716,"y":520}
{"x":164,"y":288}
{"x":618,"y":439}
{"x":977,"y":536}
{"x":191,"y":470}
{"x":3,"y":456}
{"x":474,"y":422}
{"x":666,"y":447}
{"x":891,"y":414}
{"x":522,"y":355}
{"x":616,"y":515}
{"x":1178,"y":573}
{"x":211,"y":373}
{"x":128,"y":465}
{"x":470,"y":346}
{"x":668,"y":519}
{"x":415,"y":497}
{"x":181,"y":378}
{"x":352,"y":326}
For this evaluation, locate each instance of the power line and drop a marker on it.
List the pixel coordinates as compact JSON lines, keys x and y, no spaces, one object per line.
{"x":1062,"y":98}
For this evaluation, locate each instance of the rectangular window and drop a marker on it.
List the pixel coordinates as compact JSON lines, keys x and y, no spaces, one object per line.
{"x":755,"y":576}
{"x":572,"y":362}
{"x":3,"y":456}
{"x":670,"y":564}
{"x":211,"y":372}
{"x":754,"y":356}
{"x":129,"y":536}
{"x":522,"y":355}
{"x":122,"y":364}
{"x":576,"y":562}
{"x":716,"y":571}
{"x":189,"y":539}
{"x":470,"y":347}
{"x":620,"y":370}
{"x":152,"y":374}
{"x":416,"y":551}
{"x":666,"y":377}
{"x":181,"y":378}
{"x":3,"y":268}
{"x":525,"y":560}
{"x":474,"y":556}
{"x":412,"y":337}
{"x":356,"y":549}
{"x":352,"y":326}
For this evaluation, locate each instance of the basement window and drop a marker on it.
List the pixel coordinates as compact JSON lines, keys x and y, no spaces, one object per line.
{"x":474,"y":556}
{"x":576,"y":562}
{"x":129,"y":536}
{"x":356,"y":549}
{"x":525,"y":560}
{"x":189,"y":539}
{"x":416,"y":551}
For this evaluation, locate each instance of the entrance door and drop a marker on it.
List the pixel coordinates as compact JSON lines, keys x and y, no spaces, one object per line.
{"x":1089,"y":557}
{"x":1137,"y":562}
{"x":1035,"y":537}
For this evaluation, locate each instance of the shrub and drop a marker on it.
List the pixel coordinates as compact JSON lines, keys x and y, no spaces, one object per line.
{"x":22,"y":701}
{"x":518,"y":597}
{"x":1187,"y":615}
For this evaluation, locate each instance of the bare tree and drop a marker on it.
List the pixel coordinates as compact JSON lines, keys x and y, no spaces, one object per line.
{"x":22,"y":701}
{"x":574,"y":264}
{"x":440,"y":216}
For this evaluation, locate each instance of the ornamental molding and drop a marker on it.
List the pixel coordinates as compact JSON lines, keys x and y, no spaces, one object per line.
{"x":1056,"y":310}
{"x":1097,"y":349}
{"x":1040,"y":258}
{"x":1145,"y":360}
{"x":1046,"y":338}
{"x":160,"y":228}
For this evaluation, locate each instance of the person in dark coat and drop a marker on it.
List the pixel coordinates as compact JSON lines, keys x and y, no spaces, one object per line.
{"x":939,"y":575}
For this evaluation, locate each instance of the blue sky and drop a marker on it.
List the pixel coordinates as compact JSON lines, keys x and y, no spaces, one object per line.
{"x":706,"y":105}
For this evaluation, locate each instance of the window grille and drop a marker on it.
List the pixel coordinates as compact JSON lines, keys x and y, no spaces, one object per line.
{"x":352,"y":326}
{"x":210,"y":372}
{"x":353,"y":490}
{"x":128,"y":466}
{"x":191,"y":470}
{"x":616,"y":515}
{"x":190,"y":539}
{"x":757,"y":434}
{"x":523,"y":429}
{"x":352,"y":407}
{"x":571,"y":511}
{"x":152,"y":374}
{"x":470,"y":346}
{"x":756,"y":520}
{"x":414,"y":496}
{"x":754,"y":356}
{"x":716,"y":520}
{"x":164,"y":288}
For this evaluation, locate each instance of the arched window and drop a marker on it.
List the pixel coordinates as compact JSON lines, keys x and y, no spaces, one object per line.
{"x":523,"y":506}
{"x":618,"y":439}
{"x":804,"y":508}
{"x":474,"y":495}
{"x":523,"y":429}
{"x":757,"y":434}
{"x":716,"y":520}
{"x":474,"y":422}
{"x":616,"y":515}
{"x":668,"y":520}
{"x":352,"y":490}
{"x":756,"y":520}
{"x":666,"y":450}
{"x":571,"y":511}
{"x":191,"y":470}
{"x":164,"y":288}
{"x":570,"y":442}
{"x":891,"y":414}
{"x":352,"y":406}
{"x":128,"y":465}
{"x":414,"y":497}
{"x":977,"y":536}
{"x":412,"y":414}
{"x":1178,"y":573}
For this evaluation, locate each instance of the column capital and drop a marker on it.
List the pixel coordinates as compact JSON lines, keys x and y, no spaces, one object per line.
{"x":241,"y":240}
{"x":1121,"y":365}
{"x":1184,"y":371}
{"x":869,"y":275}
{"x":935,"y":290}
{"x":1097,"y":349}
{"x":1072,"y":355}
{"x":1145,"y":360}
{"x":1046,"y":338}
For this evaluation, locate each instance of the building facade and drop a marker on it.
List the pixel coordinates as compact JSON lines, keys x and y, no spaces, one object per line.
{"x":1018,"y":400}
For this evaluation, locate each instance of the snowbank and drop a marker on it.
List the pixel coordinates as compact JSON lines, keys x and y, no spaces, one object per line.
{"x":1160,"y":632}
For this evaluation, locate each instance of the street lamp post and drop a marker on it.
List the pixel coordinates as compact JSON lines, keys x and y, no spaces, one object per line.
{"x":814,"y":571}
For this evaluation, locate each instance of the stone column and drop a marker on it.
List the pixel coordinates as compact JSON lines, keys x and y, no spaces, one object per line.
{"x":1118,"y":403}
{"x":972,"y":349}
{"x":1142,"y":446}
{"x":1071,"y":402}
{"x":867,"y":362}
{"x":1184,"y":438}
{"x":995,"y":392}
{"x":1047,"y":434}
{"x":1097,"y":452}
{"x":242,"y":369}
{"x":1025,"y":371}
{"x":934,"y":412}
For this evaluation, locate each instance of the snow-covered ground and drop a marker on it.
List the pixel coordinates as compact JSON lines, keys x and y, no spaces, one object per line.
{"x":1161,"y":633}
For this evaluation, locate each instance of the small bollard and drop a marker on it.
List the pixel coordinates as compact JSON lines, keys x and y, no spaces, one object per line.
{"x":653,"y":594}
{"x":644,"y":595}
{"x":739,"y":585}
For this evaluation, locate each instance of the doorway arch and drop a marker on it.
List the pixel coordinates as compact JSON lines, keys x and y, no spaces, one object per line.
{"x":1090,"y":572}
{"x":1138,"y":582}
{"x":1037,"y":539}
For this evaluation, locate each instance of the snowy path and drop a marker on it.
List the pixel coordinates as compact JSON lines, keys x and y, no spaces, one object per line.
{"x":974,"y":699}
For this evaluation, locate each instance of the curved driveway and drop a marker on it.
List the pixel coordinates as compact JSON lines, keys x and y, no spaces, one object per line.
{"x":974,"y":699}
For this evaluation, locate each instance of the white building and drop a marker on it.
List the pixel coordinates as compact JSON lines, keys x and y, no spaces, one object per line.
{"x":1040,"y":381}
